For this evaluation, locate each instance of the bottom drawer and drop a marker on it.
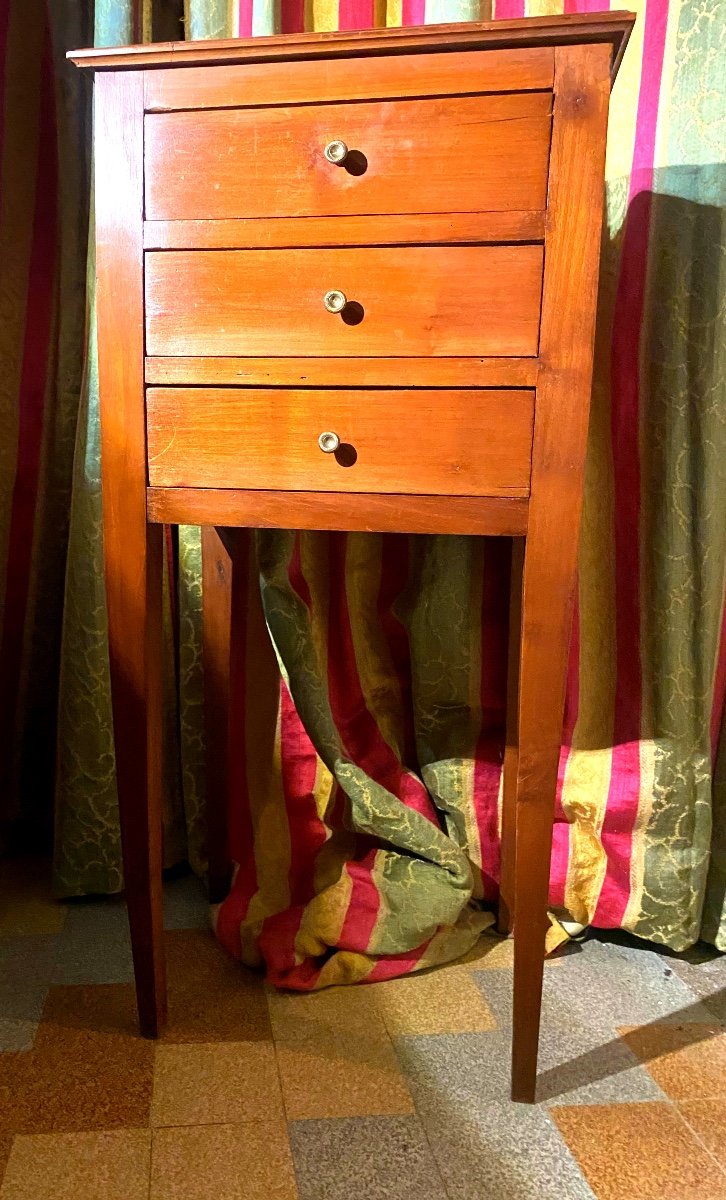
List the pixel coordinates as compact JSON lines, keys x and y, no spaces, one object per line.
{"x":447,"y":442}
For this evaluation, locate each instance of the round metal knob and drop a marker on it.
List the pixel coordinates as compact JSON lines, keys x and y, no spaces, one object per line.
{"x":335,"y":301}
{"x":336,"y":152}
{"x":328,"y":442}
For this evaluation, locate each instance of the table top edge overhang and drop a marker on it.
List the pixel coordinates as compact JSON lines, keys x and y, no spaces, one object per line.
{"x":612,"y":27}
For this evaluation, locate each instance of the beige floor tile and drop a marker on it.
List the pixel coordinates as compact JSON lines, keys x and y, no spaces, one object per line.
{"x":299,"y":1015}
{"x":222,"y":1082}
{"x":446,"y":1000}
{"x":339,"y":1075}
{"x":27,"y":906}
{"x":113,"y":1165}
{"x":639,"y":1152}
{"x":251,"y":1161}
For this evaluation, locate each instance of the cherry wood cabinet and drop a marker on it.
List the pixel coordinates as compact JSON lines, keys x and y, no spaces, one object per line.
{"x":348,"y":281}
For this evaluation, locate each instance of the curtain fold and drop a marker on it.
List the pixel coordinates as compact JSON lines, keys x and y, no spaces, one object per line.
{"x":367,"y":842}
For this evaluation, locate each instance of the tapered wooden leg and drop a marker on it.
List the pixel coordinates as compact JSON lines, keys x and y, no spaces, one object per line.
{"x":505,"y":914}
{"x":217,"y":575}
{"x":546,"y":619}
{"x":135,"y":650}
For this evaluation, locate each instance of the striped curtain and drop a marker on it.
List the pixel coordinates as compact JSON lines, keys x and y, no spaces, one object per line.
{"x":367,"y":834}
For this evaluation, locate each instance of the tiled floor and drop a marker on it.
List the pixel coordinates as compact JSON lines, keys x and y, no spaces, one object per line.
{"x":396,"y":1091}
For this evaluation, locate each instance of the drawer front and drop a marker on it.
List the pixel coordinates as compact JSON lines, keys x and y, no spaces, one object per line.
{"x":449,"y":154}
{"x":460,"y":442}
{"x":402,"y":301}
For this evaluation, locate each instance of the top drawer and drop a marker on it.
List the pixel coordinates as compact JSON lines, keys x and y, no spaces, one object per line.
{"x":445,"y":154}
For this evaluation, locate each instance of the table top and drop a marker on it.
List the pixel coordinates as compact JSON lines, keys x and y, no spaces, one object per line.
{"x":612,"y":27}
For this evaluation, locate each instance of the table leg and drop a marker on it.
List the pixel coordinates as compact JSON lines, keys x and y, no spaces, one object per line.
{"x":136,"y":652}
{"x":505,"y":914}
{"x":217,"y":572}
{"x":548,"y":588}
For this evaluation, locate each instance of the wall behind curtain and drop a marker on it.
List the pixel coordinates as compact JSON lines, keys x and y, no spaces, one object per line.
{"x":641,"y":832}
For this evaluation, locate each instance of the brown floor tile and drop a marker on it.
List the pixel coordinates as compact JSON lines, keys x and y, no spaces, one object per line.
{"x":639,"y":1152}
{"x":336,"y":1076}
{"x":223,"y":1162}
{"x":89,"y":1068}
{"x":335,"y":1056}
{"x":442,"y":1001}
{"x":27,"y":906}
{"x":300,"y":1015}
{"x":212,"y":998}
{"x":219,"y":1083}
{"x":707,"y":1119}
{"x":79,"y":1166}
{"x":687,"y":1061}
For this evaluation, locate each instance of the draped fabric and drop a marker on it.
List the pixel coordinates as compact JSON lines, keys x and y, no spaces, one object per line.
{"x":365,"y":823}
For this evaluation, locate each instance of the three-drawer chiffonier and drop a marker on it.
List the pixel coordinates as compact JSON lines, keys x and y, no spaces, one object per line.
{"x":348,"y":281}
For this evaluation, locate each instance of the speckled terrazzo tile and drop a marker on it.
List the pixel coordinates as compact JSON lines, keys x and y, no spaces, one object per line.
{"x":509,"y":1152}
{"x":219,"y":1083}
{"x":707,"y":1119}
{"x":212,"y":998}
{"x":94,"y":946}
{"x":446,"y":1000}
{"x":251,"y":1161}
{"x":598,"y":986}
{"x":27,"y":907}
{"x":446,"y":1071}
{"x":640,"y":1152}
{"x":379,"y":1158}
{"x":185,"y":904}
{"x":474,"y":1070}
{"x":79,"y":1166}
{"x":703,"y":970}
{"x":688,"y":1061}
{"x":26,"y":969}
{"x":89,"y":1068}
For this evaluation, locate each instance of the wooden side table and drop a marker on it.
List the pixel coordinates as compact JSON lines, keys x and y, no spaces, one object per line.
{"x":342,"y":276}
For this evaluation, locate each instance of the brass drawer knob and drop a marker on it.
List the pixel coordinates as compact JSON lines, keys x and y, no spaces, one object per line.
{"x":335,"y":301}
{"x":336,"y":152}
{"x":328,"y":442}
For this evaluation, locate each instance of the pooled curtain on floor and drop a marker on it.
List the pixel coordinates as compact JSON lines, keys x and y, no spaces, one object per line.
{"x":366,"y":826}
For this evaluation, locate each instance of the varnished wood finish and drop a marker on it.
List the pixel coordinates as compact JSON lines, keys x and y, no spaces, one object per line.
{"x":411,"y":300}
{"x":217,"y":571}
{"x":563,"y":397}
{"x":610,"y":28}
{"x":281,"y":232}
{"x":346,"y":372}
{"x":403,"y":158}
{"x":455,"y":338}
{"x":133,"y":550}
{"x":508,"y":832}
{"x":305,"y":82}
{"x":454,"y":443}
{"x":492,"y":515}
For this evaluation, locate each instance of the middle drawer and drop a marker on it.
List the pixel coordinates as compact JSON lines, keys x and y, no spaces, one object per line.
{"x":393,"y":301}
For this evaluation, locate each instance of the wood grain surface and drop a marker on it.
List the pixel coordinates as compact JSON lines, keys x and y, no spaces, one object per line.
{"x":368,"y":513}
{"x":465,"y":443}
{"x":612,"y":29}
{"x":405,"y":300}
{"x":303,"y":82}
{"x":133,"y":550}
{"x":347,"y":372}
{"x":574,"y":221}
{"x":258,"y":233}
{"x":448,"y":154}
